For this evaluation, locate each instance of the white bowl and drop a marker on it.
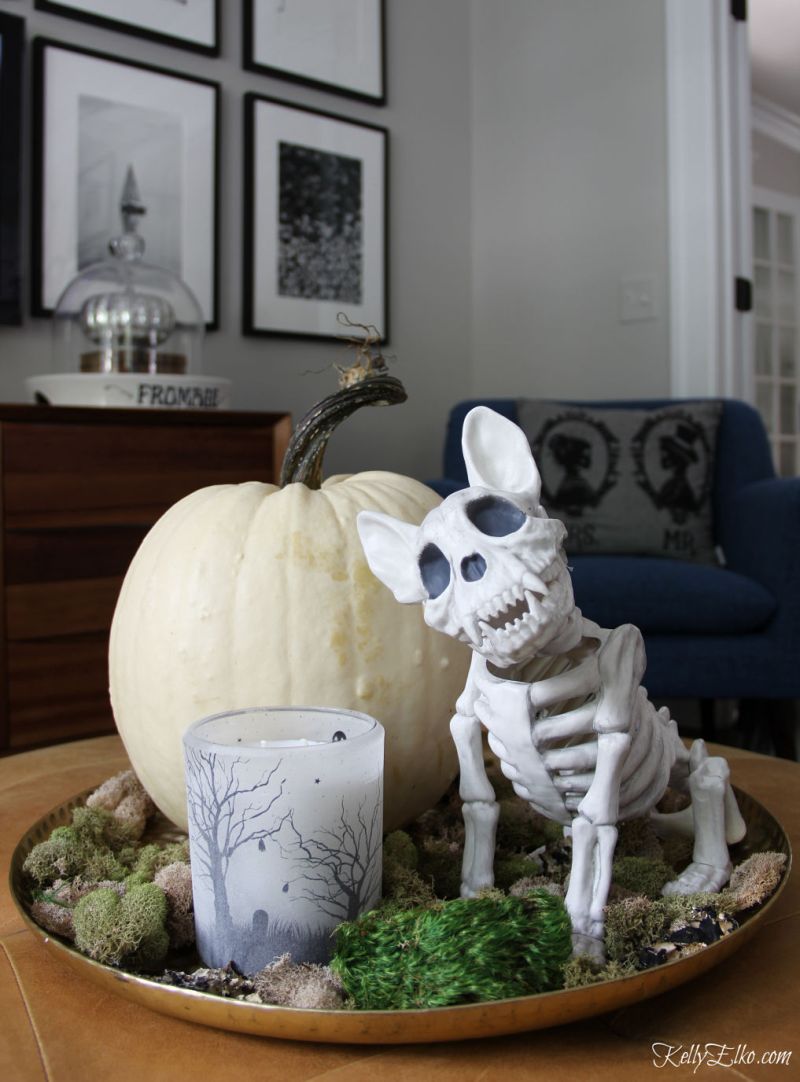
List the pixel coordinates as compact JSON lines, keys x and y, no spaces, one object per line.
{"x":130,"y":390}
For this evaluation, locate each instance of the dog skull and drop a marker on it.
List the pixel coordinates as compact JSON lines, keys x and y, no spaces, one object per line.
{"x":494,"y":576}
{"x":488,"y":563}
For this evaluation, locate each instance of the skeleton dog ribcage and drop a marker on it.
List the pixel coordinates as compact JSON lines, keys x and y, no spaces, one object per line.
{"x":559,"y":697}
{"x":550,"y":757}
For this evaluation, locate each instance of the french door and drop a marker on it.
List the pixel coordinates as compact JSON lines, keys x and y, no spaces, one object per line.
{"x":776,"y":288}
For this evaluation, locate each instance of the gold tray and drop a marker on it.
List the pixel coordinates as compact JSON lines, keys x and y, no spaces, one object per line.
{"x":403,"y":1027}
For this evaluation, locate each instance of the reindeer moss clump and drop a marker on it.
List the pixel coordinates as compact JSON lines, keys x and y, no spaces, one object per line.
{"x":440,"y":864}
{"x":582,"y":970}
{"x":403,"y":886}
{"x":637,"y":922}
{"x":641,"y":875}
{"x":508,"y":870}
{"x":521,"y":829}
{"x":756,"y":878}
{"x":151,"y":858}
{"x":96,"y":846}
{"x":463,"y":951}
{"x":128,"y":930}
{"x":632,"y":924}
{"x":124,"y":797}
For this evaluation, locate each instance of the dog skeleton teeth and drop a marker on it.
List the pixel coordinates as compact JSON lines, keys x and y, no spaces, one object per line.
{"x":511,"y":615}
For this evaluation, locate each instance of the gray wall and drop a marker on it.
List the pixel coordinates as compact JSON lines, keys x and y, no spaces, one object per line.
{"x":569,"y":196}
{"x":428,"y":119}
{"x":527,"y":177}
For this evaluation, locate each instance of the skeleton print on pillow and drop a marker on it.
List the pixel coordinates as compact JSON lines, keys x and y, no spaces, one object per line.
{"x":634,"y":481}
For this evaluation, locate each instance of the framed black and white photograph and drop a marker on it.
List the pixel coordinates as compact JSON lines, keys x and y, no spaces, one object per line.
{"x":335,"y":45}
{"x":189,"y":24}
{"x":315,"y":224}
{"x":12,"y":44}
{"x":97,"y":120}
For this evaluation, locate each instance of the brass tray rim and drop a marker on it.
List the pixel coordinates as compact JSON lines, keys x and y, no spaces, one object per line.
{"x":418,"y":1025}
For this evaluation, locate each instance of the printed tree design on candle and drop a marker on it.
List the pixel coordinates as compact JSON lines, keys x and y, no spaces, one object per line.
{"x":225,"y":820}
{"x":339,"y":866}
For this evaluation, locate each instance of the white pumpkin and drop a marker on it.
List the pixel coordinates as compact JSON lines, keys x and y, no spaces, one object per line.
{"x":254,"y":595}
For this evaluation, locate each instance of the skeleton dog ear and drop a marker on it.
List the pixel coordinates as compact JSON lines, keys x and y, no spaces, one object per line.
{"x":390,"y":548}
{"x":498,"y":455}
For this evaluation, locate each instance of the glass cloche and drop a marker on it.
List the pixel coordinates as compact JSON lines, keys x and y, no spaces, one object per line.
{"x":125,"y":315}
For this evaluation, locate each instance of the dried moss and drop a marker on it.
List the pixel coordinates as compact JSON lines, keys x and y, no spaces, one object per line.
{"x":129,"y":930}
{"x":70,"y":852}
{"x":289,"y":984}
{"x":638,"y":838}
{"x":756,"y":878}
{"x":509,"y":869}
{"x":677,"y":851}
{"x":536,"y":882}
{"x":125,"y":798}
{"x":399,"y":851}
{"x":151,"y":858}
{"x":632,"y":924}
{"x":521,"y":829}
{"x":440,"y":864}
{"x":642,"y":875}
{"x":581,"y":970}
{"x":176,"y":882}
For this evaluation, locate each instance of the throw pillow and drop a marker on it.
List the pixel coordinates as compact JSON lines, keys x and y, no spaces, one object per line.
{"x":627,"y":480}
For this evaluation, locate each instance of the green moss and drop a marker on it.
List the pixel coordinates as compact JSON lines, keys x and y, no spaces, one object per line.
{"x":642,"y":875}
{"x":129,"y":930}
{"x":462,"y":951}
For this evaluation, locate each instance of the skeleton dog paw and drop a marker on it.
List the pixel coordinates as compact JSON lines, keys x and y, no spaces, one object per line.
{"x":560,"y":698}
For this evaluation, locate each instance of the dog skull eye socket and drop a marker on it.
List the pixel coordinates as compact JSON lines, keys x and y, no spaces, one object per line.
{"x":494,"y":516}
{"x":434,"y":567}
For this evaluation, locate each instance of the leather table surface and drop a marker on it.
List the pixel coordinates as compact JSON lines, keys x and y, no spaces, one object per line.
{"x":54,"y":1025}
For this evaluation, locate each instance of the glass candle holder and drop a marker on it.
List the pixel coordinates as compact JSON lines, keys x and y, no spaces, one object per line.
{"x":285,"y":830}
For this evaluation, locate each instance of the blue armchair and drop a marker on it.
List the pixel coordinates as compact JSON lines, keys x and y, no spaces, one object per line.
{"x":711,"y":632}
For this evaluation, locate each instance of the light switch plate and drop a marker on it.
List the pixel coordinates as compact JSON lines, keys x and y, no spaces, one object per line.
{"x":637,"y":298}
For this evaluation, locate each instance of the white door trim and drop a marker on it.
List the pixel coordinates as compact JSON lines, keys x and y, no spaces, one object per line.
{"x":708,"y":152}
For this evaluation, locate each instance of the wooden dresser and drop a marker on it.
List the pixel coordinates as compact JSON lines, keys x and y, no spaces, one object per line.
{"x":79,"y":489}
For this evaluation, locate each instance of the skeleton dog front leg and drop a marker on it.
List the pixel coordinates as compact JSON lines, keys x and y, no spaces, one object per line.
{"x":620,"y":662}
{"x":479,"y":803}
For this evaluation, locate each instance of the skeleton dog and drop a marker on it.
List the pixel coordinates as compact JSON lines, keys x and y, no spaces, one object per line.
{"x":560,"y":697}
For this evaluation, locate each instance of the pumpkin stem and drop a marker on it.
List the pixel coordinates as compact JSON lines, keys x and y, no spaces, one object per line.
{"x":364,"y":383}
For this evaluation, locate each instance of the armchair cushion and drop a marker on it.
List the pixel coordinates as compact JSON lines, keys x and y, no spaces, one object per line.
{"x":628,"y":480}
{"x":669,"y":597}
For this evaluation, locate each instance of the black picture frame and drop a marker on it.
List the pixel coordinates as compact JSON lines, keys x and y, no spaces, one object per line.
{"x":329,"y":174}
{"x":12,"y":47}
{"x":64,"y":78}
{"x":290,"y":57}
{"x":93,"y":13}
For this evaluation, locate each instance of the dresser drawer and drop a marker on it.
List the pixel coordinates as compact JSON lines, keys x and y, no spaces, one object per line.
{"x":79,"y":467}
{"x":57,"y":689}
{"x":46,"y":610}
